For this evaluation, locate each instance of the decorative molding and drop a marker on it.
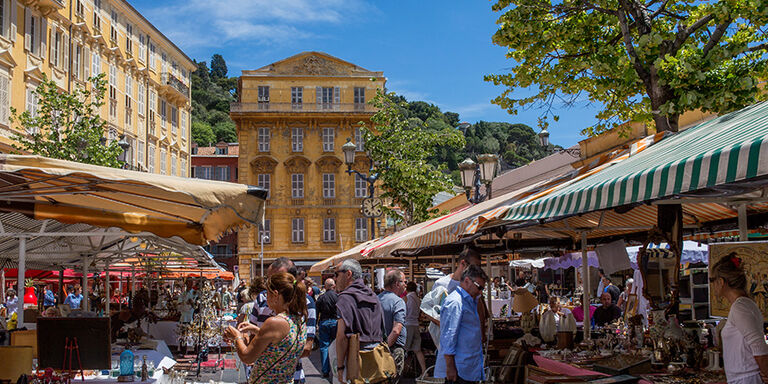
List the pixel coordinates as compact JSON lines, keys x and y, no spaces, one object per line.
{"x":328,"y":163}
{"x":297,"y":164}
{"x":263,"y":164}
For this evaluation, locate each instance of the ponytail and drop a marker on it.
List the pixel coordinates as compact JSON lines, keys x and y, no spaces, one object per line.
{"x":293,"y":292}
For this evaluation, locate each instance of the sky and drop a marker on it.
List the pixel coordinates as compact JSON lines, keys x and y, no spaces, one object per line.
{"x":433,"y":51}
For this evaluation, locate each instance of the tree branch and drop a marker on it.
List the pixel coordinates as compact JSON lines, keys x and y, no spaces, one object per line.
{"x":716,"y":36}
{"x":641,"y":71}
{"x":683,"y":34}
{"x":760,"y":47}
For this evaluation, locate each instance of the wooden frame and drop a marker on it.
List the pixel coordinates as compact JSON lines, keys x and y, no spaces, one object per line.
{"x":630,"y":308}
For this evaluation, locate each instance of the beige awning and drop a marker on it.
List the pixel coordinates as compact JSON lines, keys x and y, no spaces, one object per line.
{"x":352,"y":253}
{"x":195,"y":210}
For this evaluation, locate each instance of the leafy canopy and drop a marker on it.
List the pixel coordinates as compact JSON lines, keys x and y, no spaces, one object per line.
{"x":212,"y":92}
{"x":641,"y":60}
{"x":401,"y":147}
{"x":67,"y":126}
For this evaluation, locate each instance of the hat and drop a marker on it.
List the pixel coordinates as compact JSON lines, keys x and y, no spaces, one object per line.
{"x":524,"y":301}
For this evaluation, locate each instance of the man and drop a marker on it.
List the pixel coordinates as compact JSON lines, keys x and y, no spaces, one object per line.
{"x":433,"y":300}
{"x":608,"y":312}
{"x":261,"y":312}
{"x":613,"y":290}
{"x":359,"y":311}
{"x":326,"y":314}
{"x":557,"y":309}
{"x":394,"y":316}
{"x":600,"y":284}
{"x":460,"y":358}
{"x":412,"y":331}
{"x":74,"y":298}
{"x":226,"y":299}
{"x":49,"y":300}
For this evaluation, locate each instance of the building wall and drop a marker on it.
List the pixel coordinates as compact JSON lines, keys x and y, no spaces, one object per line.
{"x":68,"y":41}
{"x":279,"y":116}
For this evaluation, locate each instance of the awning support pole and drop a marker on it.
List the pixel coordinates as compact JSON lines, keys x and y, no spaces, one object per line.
{"x":120,"y":296}
{"x":489,"y":312}
{"x":61,"y":286}
{"x":133,"y":286}
{"x":410,"y":270}
{"x":106,"y":288}
{"x":743,"y":230}
{"x":585,"y":279}
{"x":2,"y":283}
{"x":20,"y":283}
{"x":86,"y":295}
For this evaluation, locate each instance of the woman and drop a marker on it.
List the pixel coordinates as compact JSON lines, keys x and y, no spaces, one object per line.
{"x":74,"y":298}
{"x":11,"y":302}
{"x":745,"y":352}
{"x":622,"y":303}
{"x":274,"y":349}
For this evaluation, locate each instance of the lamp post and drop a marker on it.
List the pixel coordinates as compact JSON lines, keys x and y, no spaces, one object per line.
{"x":349,"y":150}
{"x":544,"y":138}
{"x":474,"y":175}
{"x":125,"y":146}
{"x":262,"y":239}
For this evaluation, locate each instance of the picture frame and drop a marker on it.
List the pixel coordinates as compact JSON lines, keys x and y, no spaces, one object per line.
{"x":630,"y":308}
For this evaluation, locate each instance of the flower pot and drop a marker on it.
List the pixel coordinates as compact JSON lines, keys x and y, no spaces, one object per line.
{"x":30,"y":299}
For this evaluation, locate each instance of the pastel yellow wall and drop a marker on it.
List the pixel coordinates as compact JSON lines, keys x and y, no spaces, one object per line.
{"x":75,"y":22}
{"x":281,"y":162}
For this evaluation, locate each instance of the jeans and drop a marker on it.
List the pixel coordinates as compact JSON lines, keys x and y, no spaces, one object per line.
{"x":326,"y":336}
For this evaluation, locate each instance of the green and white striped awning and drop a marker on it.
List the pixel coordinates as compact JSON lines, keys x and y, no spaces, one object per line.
{"x":725,"y":150}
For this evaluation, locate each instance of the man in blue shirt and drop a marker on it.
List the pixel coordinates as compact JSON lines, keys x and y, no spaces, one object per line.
{"x":49,"y":300}
{"x":394,"y":315}
{"x":462,"y":362}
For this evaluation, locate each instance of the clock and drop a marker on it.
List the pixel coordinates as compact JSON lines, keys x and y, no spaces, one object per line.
{"x":372,"y":207}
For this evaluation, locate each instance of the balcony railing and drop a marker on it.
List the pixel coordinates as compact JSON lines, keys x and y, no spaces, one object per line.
{"x":170,"y":80}
{"x":301,"y":107}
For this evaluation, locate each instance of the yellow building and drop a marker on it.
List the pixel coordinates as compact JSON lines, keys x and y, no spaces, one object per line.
{"x":292,"y":118}
{"x":148,"y":96}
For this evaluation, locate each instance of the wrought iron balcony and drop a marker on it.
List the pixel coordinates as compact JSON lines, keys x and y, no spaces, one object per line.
{"x":172,"y":82}
{"x":301,"y":107}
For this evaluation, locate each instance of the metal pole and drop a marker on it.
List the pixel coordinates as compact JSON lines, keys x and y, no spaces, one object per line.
{"x":2,"y":283}
{"x":133,"y":286}
{"x":106,"y":288}
{"x":489,"y":310}
{"x":585,"y":279}
{"x":261,"y":255}
{"x":61,"y":285}
{"x":120,"y":289}
{"x":743,"y":230}
{"x":20,"y":281}
{"x":85,"y":305}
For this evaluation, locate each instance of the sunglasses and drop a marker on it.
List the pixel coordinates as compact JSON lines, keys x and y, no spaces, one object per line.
{"x":336,"y":274}
{"x":480,"y":287}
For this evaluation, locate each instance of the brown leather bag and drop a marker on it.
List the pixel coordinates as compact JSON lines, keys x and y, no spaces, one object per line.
{"x":374,"y":366}
{"x":353,"y":357}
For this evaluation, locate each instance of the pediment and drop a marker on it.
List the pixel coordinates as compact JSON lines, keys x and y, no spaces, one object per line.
{"x":329,"y":163}
{"x":6,"y":58}
{"x":297,"y":163}
{"x":315,"y":64}
{"x":263,"y":164}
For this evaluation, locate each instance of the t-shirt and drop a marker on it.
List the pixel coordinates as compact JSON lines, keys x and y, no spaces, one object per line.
{"x":743,"y":339}
{"x":394,"y":311}
{"x":412,"y":304}
{"x":606,"y":315}
{"x":326,"y":306}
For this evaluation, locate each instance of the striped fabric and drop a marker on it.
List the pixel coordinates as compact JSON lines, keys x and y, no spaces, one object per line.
{"x":727,"y":149}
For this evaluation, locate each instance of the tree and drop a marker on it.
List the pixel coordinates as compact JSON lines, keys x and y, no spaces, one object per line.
{"x":225,"y":131}
{"x":400,"y":151}
{"x":202,"y":134}
{"x":218,"y":67}
{"x":643,"y":60}
{"x":67,"y":126}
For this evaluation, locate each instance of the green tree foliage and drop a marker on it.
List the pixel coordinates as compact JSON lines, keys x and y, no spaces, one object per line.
{"x":401,"y":149}
{"x":212,"y":93}
{"x":202,"y":134}
{"x":643,"y":60}
{"x":67,"y":125}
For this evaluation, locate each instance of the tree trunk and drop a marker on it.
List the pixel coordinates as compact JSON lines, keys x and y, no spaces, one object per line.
{"x":666,"y":123}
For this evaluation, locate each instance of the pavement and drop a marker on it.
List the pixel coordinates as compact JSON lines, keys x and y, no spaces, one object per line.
{"x":313,"y":370}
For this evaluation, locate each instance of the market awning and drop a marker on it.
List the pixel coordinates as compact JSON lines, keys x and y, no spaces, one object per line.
{"x":715,"y":155}
{"x":527,"y":263}
{"x":353,"y":252}
{"x":195,"y":210}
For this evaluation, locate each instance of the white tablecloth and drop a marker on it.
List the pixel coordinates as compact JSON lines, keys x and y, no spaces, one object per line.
{"x":165,"y":331}
{"x":496,"y":305}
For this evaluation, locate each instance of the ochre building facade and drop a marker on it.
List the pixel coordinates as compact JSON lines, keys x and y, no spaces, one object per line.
{"x":292,"y":117}
{"x":148,"y":77}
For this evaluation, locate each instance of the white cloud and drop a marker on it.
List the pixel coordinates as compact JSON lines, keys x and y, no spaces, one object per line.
{"x":471,"y":111}
{"x":210,"y":23}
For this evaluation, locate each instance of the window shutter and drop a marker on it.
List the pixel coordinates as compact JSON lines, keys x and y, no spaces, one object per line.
{"x":336,"y":97}
{"x":319,"y":97}
{"x":86,"y":62}
{"x":65,"y":54}
{"x":5,"y":104}
{"x":28,"y":33}
{"x":43,"y":37}
{"x":13,"y":22}
{"x":53,"y":43}
{"x":6,"y":18}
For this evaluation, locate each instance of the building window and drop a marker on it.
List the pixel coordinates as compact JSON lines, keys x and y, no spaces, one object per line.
{"x":163,"y":160}
{"x":328,"y":97}
{"x":141,"y":152}
{"x":152,"y":56}
{"x":359,"y":98}
{"x":129,"y":39}
{"x":328,"y":136}
{"x":55,"y":48}
{"x":263,"y":97}
{"x":35,"y":33}
{"x":329,"y":229}
{"x":5,"y":98}
{"x":140,"y":99}
{"x":263,"y":139}
{"x":263,"y":180}
{"x":297,"y":97}
{"x":361,"y":187}
{"x":142,"y":46}
{"x":359,"y":144}
{"x":361,"y":229}
{"x":32,"y":101}
{"x":297,"y":230}
{"x":183,"y":167}
{"x":151,"y":158}
{"x":163,"y":113}
{"x":174,"y":158}
{"x":184,"y":125}
{"x":77,"y":59}
{"x":329,"y":186}
{"x":297,"y":139}
{"x":95,"y":64}
{"x":265,"y":232}
{"x":297,"y":185}
{"x":222,"y":150}
{"x":222,"y":173}
{"x":174,"y":119}
{"x":96,"y":18}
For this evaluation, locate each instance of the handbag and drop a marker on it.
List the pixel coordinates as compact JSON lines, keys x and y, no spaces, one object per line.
{"x":353,"y":349}
{"x":377,"y":365}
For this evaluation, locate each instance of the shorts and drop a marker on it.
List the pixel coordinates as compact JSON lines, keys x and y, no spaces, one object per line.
{"x":412,"y":338}
{"x":398,"y":355}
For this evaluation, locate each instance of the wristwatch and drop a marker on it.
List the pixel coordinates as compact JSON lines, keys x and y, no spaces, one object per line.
{"x":340,"y":368}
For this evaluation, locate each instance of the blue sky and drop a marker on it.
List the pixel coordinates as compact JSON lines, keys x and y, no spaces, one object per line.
{"x":435,"y":51}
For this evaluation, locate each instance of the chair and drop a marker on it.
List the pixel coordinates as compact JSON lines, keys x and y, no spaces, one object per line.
{"x":26,"y":338}
{"x":17,"y":360}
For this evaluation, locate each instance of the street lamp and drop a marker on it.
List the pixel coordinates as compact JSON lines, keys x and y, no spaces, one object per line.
{"x":263,"y":238}
{"x":544,"y":138}
{"x":474,"y":175}
{"x":371,"y":205}
{"x":125,"y":146}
